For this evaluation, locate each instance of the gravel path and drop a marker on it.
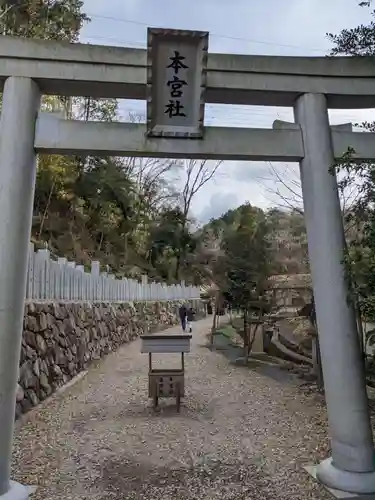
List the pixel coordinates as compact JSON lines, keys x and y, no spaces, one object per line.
{"x":240,"y":435}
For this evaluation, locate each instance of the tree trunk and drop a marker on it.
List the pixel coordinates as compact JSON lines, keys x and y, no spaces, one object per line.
{"x":46,"y":210}
{"x":320,"y":382}
{"x":245,"y":331}
{"x":359,"y":325}
{"x":251,"y":341}
{"x":213,"y":328}
{"x":318,"y":360}
{"x":214,"y":321}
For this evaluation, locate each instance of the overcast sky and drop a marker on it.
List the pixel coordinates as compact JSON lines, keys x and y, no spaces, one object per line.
{"x":270,"y":27}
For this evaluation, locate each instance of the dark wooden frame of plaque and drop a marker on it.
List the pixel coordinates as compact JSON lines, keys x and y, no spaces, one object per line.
{"x":202,"y":36}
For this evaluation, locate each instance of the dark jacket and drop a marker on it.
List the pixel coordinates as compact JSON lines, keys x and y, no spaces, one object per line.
{"x":190,"y":314}
{"x":308,"y":310}
{"x":182,"y":312}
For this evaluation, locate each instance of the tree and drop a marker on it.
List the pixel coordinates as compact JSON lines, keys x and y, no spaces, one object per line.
{"x":288,"y":241}
{"x":359,"y":41}
{"x":196,"y":174}
{"x":154,"y":193}
{"x":84,"y":207}
{"x":168,"y":235}
{"x":244,"y":268}
{"x":124,"y":212}
{"x":286,"y":190}
{"x":45,"y":19}
{"x":360,"y":254}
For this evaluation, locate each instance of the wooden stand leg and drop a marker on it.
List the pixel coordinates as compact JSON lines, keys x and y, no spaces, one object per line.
{"x":156,"y":401}
{"x":178,"y":399}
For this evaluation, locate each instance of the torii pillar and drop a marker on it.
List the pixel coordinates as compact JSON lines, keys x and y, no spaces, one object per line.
{"x":352,"y":466}
{"x":20,"y":106}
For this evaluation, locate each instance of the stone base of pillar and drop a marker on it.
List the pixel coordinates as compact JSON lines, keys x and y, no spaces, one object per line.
{"x":342,"y":484}
{"x":16,"y":491}
{"x":353,"y":482}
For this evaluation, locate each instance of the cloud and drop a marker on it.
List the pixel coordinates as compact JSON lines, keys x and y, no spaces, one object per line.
{"x":250,"y":170}
{"x":293,"y":27}
{"x":219,"y":204}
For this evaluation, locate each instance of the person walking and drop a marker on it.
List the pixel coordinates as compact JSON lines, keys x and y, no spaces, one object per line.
{"x":183,"y":313}
{"x":190,"y":314}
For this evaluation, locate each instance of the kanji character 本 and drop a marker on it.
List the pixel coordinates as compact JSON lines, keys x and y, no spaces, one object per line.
{"x":174,"y":108}
{"x":177,"y":63}
{"x":176,"y":85}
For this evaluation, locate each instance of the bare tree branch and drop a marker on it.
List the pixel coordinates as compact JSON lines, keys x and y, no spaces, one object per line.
{"x":197,"y":174}
{"x":291,"y":194}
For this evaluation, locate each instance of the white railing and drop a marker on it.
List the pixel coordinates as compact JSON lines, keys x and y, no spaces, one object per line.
{"x":49,"y":279}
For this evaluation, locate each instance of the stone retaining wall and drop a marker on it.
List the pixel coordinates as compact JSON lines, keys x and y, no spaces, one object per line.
{"x":60,"y":340}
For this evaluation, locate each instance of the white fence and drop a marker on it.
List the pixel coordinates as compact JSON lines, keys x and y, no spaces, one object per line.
{"x":48,"y":279}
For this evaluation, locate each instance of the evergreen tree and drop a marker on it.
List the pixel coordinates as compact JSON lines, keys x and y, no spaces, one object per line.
{"x":44,"y":19}
{"x":360,"y":41}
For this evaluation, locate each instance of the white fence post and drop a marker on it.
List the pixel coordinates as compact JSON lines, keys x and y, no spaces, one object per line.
{"x":49,"y":279}
{"x":41,"y":274}
{"x":95,"y":268}
{"x":103,"y":296}
{"x":143,"y":289}
{"x":54,"y":273}
{"x":111,"y":288}
{"x":126,"y":290}
{"x":64,"y":281}
{"x":78,"y":279}
{"x":95,"y":280}
{"x":70,"y":269}
{"x":30,"y":273}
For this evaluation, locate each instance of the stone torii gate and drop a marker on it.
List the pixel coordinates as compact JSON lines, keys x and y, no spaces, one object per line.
{"x":30,"y":68}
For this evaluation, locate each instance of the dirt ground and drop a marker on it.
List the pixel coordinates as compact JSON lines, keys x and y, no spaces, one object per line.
{"x":240,"y":434}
